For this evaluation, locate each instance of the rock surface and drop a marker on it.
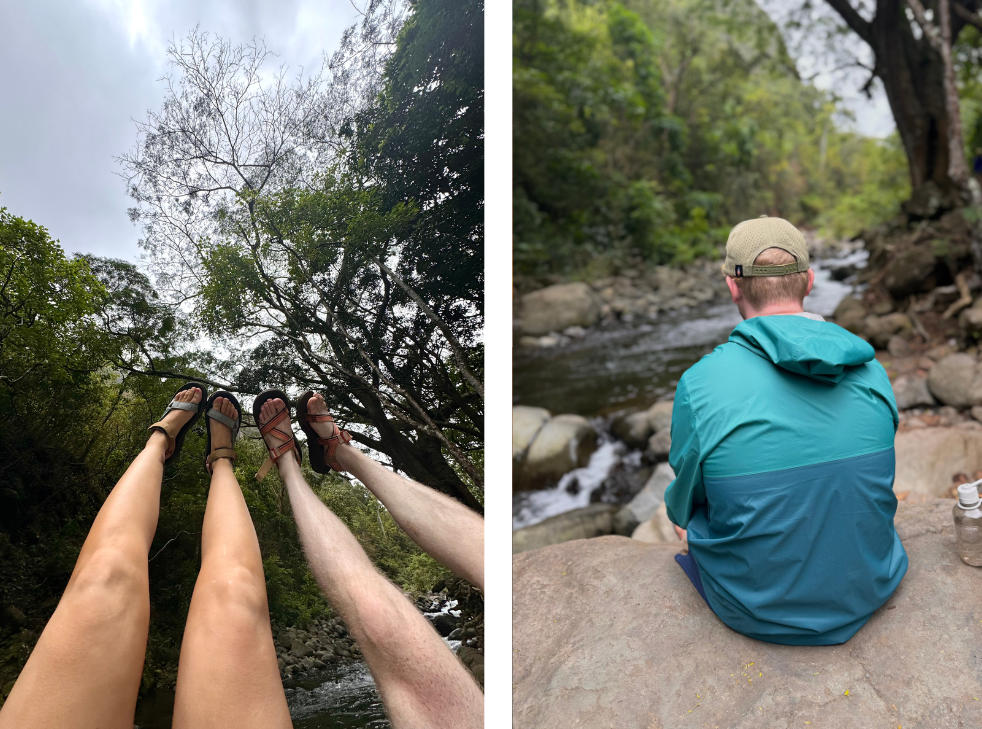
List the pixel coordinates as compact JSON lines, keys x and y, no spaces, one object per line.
{"x":595,"y":520}
{"x":555,"y":308}
{"x":660,"y":416}
{"x":911,"y":391}
{"x":952,"y":380}
{"x":610,"y":632}
{"x":565,"y":442}
{"x":644,"y":505}
{"x":634,"y":429}
{"x":525,"y":423}
{"x":927,"y":458}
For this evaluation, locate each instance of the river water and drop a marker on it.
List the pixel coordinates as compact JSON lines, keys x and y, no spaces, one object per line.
{"x":628,"y":367}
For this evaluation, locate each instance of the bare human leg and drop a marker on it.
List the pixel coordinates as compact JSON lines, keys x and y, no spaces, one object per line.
{"x":85,"y":670}
{"x":443,"y":527}
{"x":228,"y":674}
{"x":421,"y":682}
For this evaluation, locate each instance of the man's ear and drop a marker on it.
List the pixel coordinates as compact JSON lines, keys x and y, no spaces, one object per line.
{"x":735,"y":293}
{"x":811,"y":281}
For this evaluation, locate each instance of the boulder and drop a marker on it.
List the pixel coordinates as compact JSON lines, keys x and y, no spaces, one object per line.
{"x":610,"y":632}
{"x":660,"y":416}
{"x":658,"y":528}
{"x":443,"y":623}
{"x":525,"y":423}
{"x":880,"y":329}
{"x":927,"y":458}
{"x":634,"y":429}
{"x":850,"y":313}
{"x":595,"y":520}
{"x":910,"y":272}
{"x":970,"y":320}
{"x":659,"y":445}
{"x":565,"y":442}
{"x":473,"y":660}
{"x":300,"y":650}
{"x":911,"y":391}
{"x":954,"y":381}
{"x":644,"y":505}
{"x":555,"y":308}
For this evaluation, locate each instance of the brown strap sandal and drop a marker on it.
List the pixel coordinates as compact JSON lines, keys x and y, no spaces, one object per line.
{"x":321,"y":461}
{"x":290,"y":444}
{"x":234,"y":425}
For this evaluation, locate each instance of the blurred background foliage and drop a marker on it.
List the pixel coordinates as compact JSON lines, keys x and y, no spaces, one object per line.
{"x":645,"y":129}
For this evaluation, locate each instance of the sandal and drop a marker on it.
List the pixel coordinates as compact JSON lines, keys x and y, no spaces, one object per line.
{"x":218,"y":453}
{"x":275,"y":452}
{"x":318,"y":461}
{"x":177,"y":439}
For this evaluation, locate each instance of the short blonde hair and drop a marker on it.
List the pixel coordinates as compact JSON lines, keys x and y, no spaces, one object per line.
{"x":759,"y":291}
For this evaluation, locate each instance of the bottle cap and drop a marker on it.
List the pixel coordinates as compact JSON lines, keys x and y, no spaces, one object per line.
{"x":968,"y":495}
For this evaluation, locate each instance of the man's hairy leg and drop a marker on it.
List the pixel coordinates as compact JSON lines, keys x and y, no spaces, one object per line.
{"x":421,"y":682}
{"x":443,"y":527}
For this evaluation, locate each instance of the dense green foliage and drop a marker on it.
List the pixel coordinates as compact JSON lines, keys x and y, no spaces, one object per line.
{"x":644,"y":130}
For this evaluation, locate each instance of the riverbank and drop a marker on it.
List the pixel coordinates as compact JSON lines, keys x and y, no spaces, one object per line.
{"x":603,"y":384}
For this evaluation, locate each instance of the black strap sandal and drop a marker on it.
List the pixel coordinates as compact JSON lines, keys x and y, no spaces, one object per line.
{"x":286,"y":433}
{"x":176,"y":439}
{"x":320,"y":461}
{"x":210,"y":455}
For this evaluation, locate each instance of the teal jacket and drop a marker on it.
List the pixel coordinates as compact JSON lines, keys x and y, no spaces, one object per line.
{"x":782,"y":445}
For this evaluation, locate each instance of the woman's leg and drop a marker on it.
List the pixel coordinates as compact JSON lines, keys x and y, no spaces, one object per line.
{"x":421,"y":682}
{"x":228,"y":676}
{"x":85,"y":670}
{"x":443,"y":527}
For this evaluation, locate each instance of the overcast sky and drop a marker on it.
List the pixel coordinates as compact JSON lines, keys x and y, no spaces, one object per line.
{"x":76,"y":72}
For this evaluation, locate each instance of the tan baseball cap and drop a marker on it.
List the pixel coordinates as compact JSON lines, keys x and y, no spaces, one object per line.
{"x":748,"y":239}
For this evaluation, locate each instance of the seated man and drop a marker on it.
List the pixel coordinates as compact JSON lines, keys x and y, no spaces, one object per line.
{"x":782,"y":445}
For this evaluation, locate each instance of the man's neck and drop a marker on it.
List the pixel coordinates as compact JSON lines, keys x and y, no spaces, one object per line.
{"x":778,"y":307}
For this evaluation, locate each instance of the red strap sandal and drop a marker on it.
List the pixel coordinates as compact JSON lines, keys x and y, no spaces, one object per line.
{"x":285,"y":433}
{"x":320,"y":461}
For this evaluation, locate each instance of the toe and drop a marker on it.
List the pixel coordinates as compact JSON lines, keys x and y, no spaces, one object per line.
{"x":196,"y":394}
{"x":229,"y":409}
{"x":266,"y":412}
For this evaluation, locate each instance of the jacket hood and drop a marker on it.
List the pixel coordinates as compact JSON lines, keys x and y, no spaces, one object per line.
{"x":817,"y":349}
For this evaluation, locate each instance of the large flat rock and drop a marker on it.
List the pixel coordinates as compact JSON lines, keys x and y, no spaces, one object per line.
{"x":927,"y":458}
{"x":609,"y":632}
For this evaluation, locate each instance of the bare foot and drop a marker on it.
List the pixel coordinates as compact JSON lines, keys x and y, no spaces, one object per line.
{"x":180,"y":417}
{"x":269,"y":410}
{"x":317,"y":406}
{"x":221,"y":434}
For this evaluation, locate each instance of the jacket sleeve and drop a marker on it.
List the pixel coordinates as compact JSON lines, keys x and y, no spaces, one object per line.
{"x":685,"y":457}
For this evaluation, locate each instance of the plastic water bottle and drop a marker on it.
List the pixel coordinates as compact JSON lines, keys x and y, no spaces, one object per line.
{"x":968,"y":524}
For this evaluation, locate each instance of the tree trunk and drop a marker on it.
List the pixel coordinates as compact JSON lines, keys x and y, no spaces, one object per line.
{"x":913,"y":76}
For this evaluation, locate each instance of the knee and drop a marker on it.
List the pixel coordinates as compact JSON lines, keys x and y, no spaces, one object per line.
{"x":237,"y":592}
{"x":110,"y":581}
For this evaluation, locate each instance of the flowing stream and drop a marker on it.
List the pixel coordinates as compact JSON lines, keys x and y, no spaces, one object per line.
{"x":628,"y":367}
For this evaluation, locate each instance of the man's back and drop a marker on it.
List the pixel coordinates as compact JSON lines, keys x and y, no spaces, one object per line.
{"x":782,"y":442}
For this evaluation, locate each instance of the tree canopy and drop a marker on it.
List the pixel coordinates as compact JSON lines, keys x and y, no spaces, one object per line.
{"x":644,"y":130}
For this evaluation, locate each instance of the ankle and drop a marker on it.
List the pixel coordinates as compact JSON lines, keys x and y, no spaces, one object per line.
{"x":157,"y":443}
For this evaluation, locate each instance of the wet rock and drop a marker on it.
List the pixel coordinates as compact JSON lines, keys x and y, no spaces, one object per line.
{"x":563,"y":443}
{"x":555,"y":308}
{"x":952,"y":380}
{"x":910,"y":273}
{"x":591,"y":521}
{"x":443,"y":623}
{"x":660,"y":416}
{"x":911,"y":391}
{"x":643,"y":506}
{"x":593,"y":619}
{"x":525,"y":423}
{"x":634,"y":429}
{"x":473,"y":659}
{"x":659,"y":445}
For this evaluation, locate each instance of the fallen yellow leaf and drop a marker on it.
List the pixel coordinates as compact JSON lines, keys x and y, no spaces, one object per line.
{"x":847,"y":692}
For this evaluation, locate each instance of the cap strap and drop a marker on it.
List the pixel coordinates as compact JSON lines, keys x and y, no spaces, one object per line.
{"x":783,"y":270}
